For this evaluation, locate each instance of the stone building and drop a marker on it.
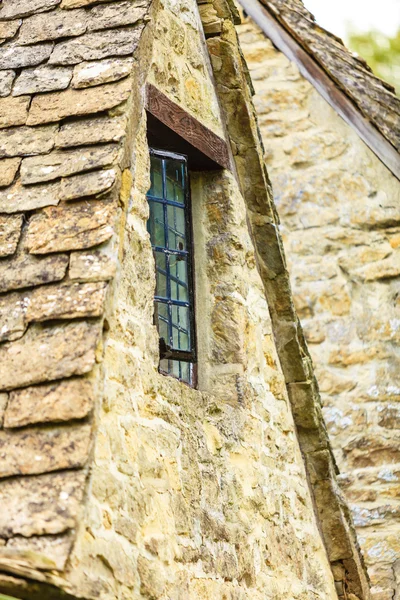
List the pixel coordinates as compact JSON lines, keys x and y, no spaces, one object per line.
{"x":161,"y":428}
{"x":331,"y":133}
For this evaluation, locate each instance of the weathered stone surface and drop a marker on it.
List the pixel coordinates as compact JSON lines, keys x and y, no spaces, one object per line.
{"x":70,"y":103}
{"x":64,"y":163}
{"x":9,"y":28}
{"x":68,"y":301}
{"x":93,"y":46}
{"x":116,"y":14}
{"x":11,"y":9}
{"x":10,"y":231}
{"x":91,"y":131}
{"x":381,"y":269}
{"x":42,"y":79}
{"x":76,"y":226}
{"x":6,"y":80}
{"x":88,"y":184}
{"x":12,"y":317}
{"x":46,"y":303}
{"x":15,"y":57}
{"x":3,"y":406}
{"x":77,"y":3}
{"x":35,"y":450}
{"x":92,"y":265}
{"x":47,"y":353}
{"x":13,"y":111}
{"x":97,"y":72}
{"x":8,"y":169}
{"x":41,"y":552}
{"x":47,"y":504}
{"x":26,"y":270}
{"x":304,"y":401}
{"x":19,"y":141}
{"x":59,"y":401}
{"x":18,"y":198}
{"x":52,"y":26}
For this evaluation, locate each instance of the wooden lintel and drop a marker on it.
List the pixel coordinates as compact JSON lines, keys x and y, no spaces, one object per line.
{"x":187,"y":126}
{"x":326,"y":87}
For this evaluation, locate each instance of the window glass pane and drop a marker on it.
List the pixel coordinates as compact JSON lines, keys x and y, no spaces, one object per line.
{"x":156,"y":224}
{"x":162,"y":317}
{"x":179,"y":369}
{"x":176,"y":228}
{"x":156,"y":188}
{"x":179,"y":278}
{"x":175,"y":180}
{"x":180,"y":327}
{"x":161,"y":274}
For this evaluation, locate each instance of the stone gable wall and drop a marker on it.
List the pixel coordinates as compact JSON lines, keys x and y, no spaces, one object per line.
{"x":340,"y":215}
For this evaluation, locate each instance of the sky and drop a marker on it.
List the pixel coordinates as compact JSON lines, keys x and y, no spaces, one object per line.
{"x":361,"y":15}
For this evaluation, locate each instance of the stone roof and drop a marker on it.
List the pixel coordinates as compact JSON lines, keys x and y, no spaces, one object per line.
{"x":65,"y":64}
{"x":373,"y":98}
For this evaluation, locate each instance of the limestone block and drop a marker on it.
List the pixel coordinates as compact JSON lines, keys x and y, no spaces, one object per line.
{"x":10,"y":9}
{"x":70,"y":103}
{"x":6,"y":80}
{"x":92,"y":265}
{"x":18,"y":198}
{"x":88,"y":184}
{"x":3,"y":406}
{"x":9,"y":28}
{"x":8,"y":169}
{"x":371,"y":450}
{"x":116,"y":14}
{"x":381,"y":269}
{"x":17,"y":141}
{"x":12,"y":317}
{"x":324,"y":146}
{"x":77,"y":3}
{"x":35,"y":450}
{"x":59,"y":401}
{"x":47,"y":504}
{"x":49,"y":302}
{"x":93,"y":46}
{"x":332,"y":521}
{"x":15,"y":57}
{"x":25,"y":270}
{"x":152,"y":578}
{"x":13,"y":111}
{"x":73,"y":227}
{"x":42,"y":79}
{"x":47,"y":353}
{"x":52,"y":26}
{"x":94,"y":73}
{"x":41,"y":552}
{"x":65,"y":301}
{"x":304,"y":400}
{"x":93,"y":131}
{"x":10,"y":231}
{"x":68,"y":162}
{"x":389,"y":416}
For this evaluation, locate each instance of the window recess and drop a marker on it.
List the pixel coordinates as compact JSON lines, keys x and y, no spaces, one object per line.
{"x":170,"y":230}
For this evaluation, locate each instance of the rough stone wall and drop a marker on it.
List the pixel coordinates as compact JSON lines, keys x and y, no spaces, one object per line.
{"x":116,"y":481}
{"x":340,"y":215}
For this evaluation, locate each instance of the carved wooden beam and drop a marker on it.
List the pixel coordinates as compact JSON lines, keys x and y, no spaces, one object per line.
{"x":316,"y":75}
{"x":187,"y":127}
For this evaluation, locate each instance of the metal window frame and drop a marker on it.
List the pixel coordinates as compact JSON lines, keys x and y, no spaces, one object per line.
{"x":166,"y":352}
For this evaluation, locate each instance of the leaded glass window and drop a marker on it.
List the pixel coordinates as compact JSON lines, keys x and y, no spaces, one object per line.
{"x":170,"y":228}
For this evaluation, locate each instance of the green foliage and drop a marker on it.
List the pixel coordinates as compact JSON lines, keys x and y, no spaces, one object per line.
{"x":382,"y":53}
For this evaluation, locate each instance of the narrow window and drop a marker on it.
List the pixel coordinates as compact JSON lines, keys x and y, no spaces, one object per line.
{"x":170,"y":230}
